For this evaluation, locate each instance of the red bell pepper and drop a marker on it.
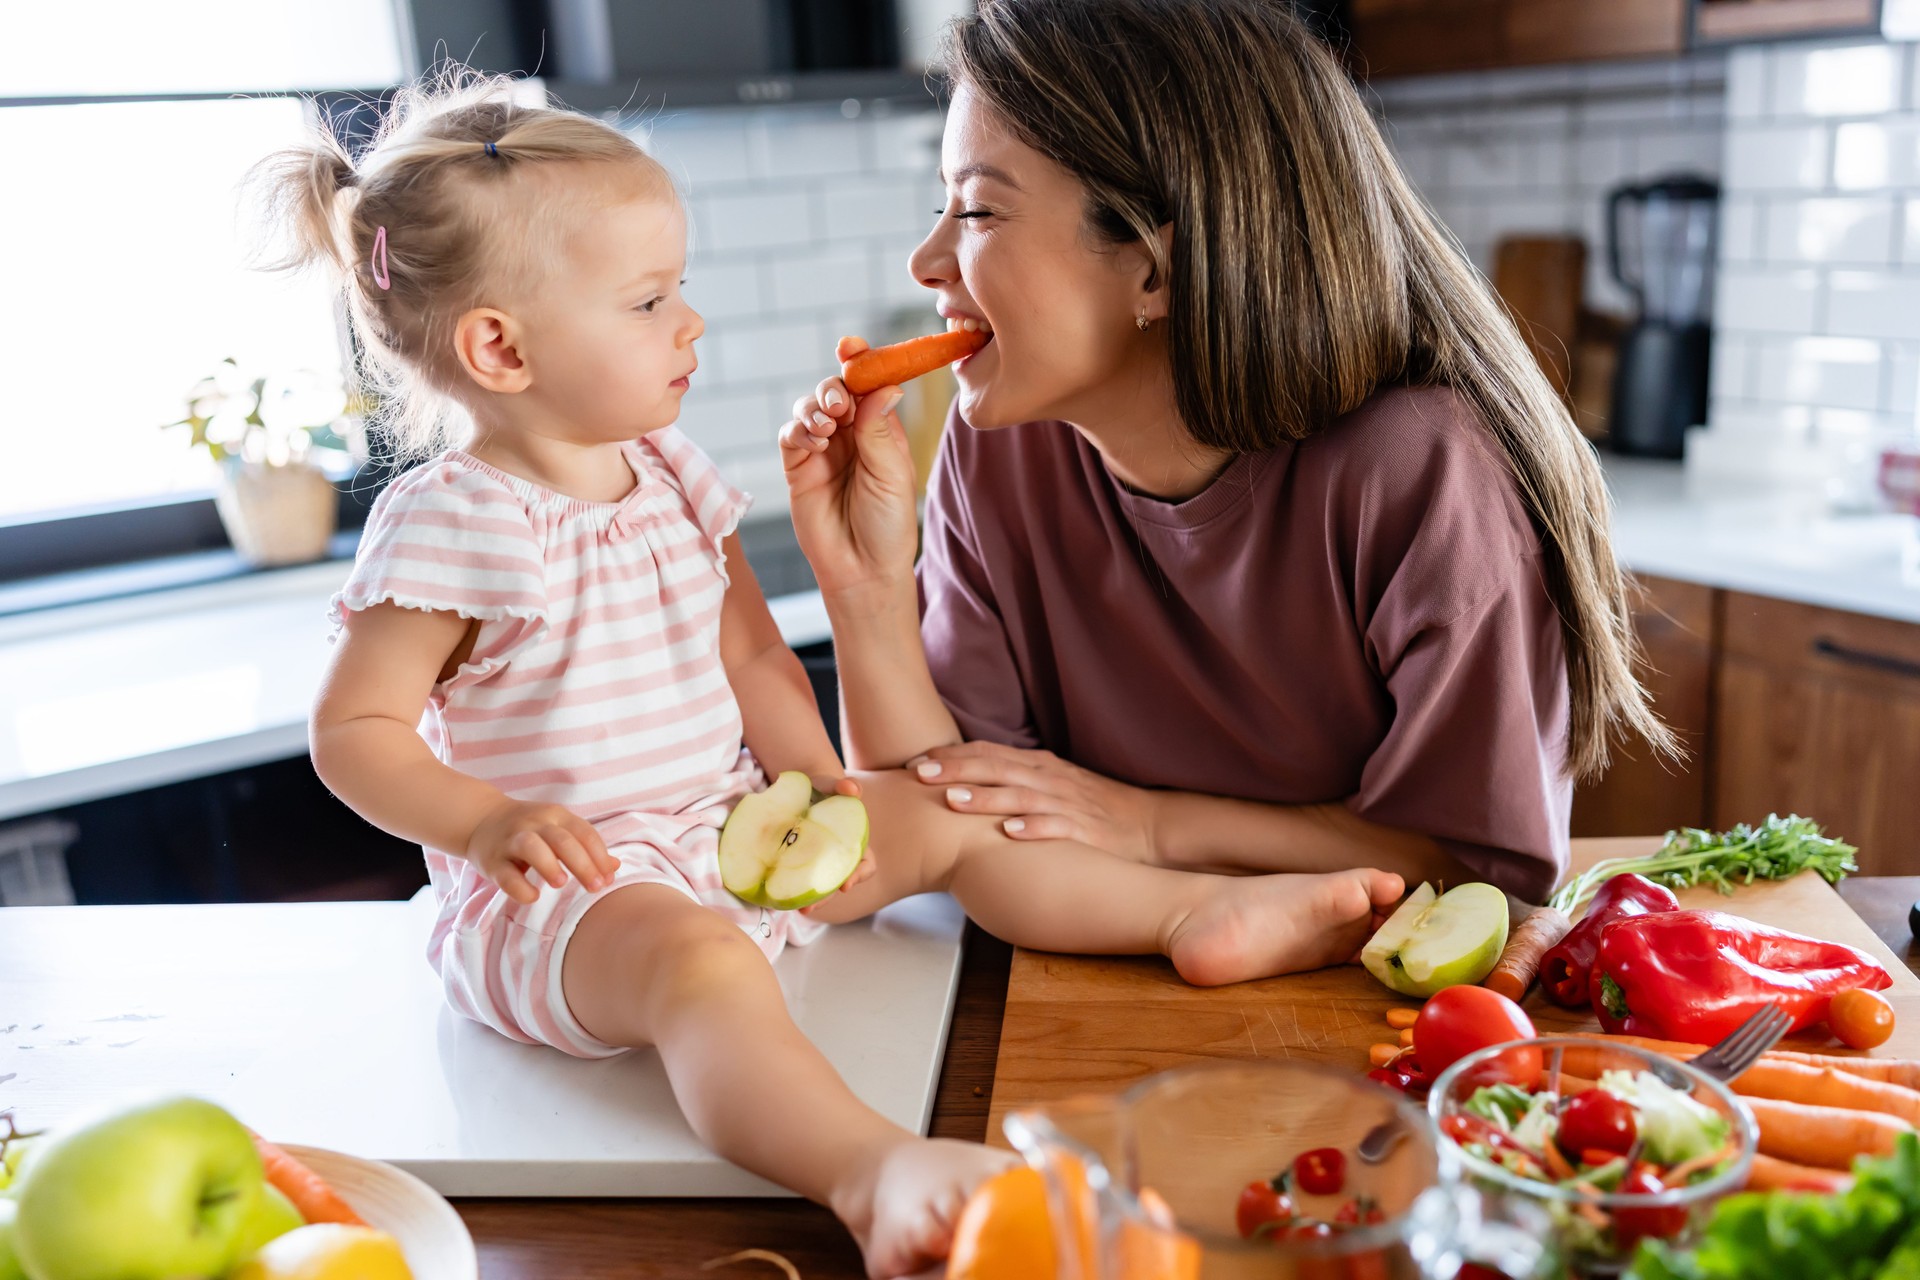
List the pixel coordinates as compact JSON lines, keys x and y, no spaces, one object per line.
{"x":1564,"y":968}
{"x":1695,"y":976}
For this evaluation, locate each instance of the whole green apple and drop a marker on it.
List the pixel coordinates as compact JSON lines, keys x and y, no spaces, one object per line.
{"x":10,"y":1268}
{"x":273,"y":1216}
{"x":158,"y":1189}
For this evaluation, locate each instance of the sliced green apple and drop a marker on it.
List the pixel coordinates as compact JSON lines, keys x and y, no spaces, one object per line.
{"x":1437,"y":941}
{"x":782,"y":848}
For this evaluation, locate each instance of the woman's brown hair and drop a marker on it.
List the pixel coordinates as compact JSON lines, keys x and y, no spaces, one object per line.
{"x":1305,"y":273}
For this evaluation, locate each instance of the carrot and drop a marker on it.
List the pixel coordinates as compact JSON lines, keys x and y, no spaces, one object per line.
{"x":1520,"y":961}
{"x":1824,"y":1086}
{"x":1678,"y":1175}
{"x":1379,"y":1055}
{"x":1557,"y":1163}
{"x":890,"y":366}
{"x":1400,"y":1019}
{"x":309,"y":1192}
{"x":1895,"y":1071}
{"x":1825,"y":1137}
{"x":1769,"y":1174}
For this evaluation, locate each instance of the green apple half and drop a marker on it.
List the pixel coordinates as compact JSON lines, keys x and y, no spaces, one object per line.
{"x":1435,"y":941}
{"x":787,"y":848}
{"x":157,"y":1189}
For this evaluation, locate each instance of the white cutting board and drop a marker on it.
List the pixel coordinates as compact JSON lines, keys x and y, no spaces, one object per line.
{"x":322,"y":1024}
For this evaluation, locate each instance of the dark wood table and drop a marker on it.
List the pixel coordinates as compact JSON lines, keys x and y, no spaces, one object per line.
{"x":586,"y":1239}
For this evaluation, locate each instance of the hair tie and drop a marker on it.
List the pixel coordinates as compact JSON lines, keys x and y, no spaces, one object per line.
{"x":491,"y":149}
{"x":379,"y":259}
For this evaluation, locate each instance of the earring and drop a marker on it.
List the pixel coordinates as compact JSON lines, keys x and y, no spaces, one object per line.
{"x":1140,"y":321}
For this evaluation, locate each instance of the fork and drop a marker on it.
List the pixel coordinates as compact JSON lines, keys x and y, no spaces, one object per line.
{"x":1740,"y":1050}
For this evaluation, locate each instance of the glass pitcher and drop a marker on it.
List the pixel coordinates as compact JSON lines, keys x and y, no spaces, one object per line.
{"x":1145,"y":1186}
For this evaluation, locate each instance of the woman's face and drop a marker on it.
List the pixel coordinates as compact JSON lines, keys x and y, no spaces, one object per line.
{"x":1011,"y":251}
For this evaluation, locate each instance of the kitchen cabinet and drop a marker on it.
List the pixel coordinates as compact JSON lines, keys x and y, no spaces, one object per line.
{"x":1411,"y":37}
{"x":1736,"y":21}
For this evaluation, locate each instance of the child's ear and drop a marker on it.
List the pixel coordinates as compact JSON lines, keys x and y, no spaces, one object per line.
{"x":487,"y":342}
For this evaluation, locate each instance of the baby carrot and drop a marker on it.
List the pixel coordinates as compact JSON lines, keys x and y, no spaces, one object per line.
{"x":309,"y":1192}
{"x":889,"y":366}
{"x":1401,"y":1019}
{"x":1379,"y":1055}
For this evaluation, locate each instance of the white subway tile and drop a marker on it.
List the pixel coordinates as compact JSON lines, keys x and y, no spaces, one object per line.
{"x":1639,"y":75}
{"x":758,"y":471}
{"x":1423,"y":163}
{"x":1776,"y":157}
{"x":757,"y":220}
{"x":723,"y":421}
{"x":822,"y":278}
{"x":1765,"y":300}
{"x":908,"y":141}
{"x":724,"y":290}
{"x":1874,"y":304}
{"x":787,"y":349}
{"x":1910,"y":233}
{"x":1692,"y":150}
{"x":809,"y":145}
{"x":1747,"y":83}
{"x":1653,"y":108}
{"x":877,"y":206}
{"x":1857,"y":230}
{"x":1840,"y":372}
{"x":1491,"y":162}
{"x":1873,"y":154}
{"x":1740,"y":229}
{"x":1548,"y":212}
{"x":702,"y":152}
{"x":1760,"y":419}
{"x":1849,"y":80}
{"x":893,"y":277}
{"x":1549,"y":163}
{"x":1601,"y":161}
{"x":1731,"y":375}
{"x":1903,"y":378}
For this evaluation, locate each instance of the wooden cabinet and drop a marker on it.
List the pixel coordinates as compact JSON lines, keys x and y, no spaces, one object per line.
{"x":1718,"y":22}
{"x":1410,"y":37}
{"x":1818,"y":712}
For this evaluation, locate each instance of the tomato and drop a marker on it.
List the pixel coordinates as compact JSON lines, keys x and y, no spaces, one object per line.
{"x":1598,"y":1120}
{"x":1263,"y":1205}
{"x":1465,"y":1129}
{"x":1862,"y":1019}
{"x":1320,"y":1172}
{"x":1304,"y":1229}
{"x":1361,"y":1211}
{"x":1405,"y":1075}
{"x":1460,"y":1020}
{"x":1632,"y":1225}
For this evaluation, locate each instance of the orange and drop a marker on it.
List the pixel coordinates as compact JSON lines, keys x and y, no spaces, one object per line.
{"x":1006,"y":1233}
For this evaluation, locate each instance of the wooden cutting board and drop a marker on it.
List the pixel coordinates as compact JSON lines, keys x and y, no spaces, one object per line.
{"x":1079,"y":1024}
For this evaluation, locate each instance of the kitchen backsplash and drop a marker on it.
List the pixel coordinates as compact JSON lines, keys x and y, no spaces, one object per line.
{"x":1538,"y":149}
{"x":1817,"y":319}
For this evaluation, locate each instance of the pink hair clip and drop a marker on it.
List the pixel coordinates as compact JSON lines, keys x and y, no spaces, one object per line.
{"x":379,"y":260}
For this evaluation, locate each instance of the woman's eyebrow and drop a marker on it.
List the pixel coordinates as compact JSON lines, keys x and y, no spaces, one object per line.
{"x":979,"y":171}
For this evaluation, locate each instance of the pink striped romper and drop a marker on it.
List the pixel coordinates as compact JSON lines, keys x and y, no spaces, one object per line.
{"x":595,"y":682}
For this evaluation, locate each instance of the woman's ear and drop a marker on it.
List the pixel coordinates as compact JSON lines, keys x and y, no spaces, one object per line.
{"x":487,"y":342}
{"x":1152,"y":302}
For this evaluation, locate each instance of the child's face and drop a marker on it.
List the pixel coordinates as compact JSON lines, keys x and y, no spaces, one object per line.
{"x":611,"y":336}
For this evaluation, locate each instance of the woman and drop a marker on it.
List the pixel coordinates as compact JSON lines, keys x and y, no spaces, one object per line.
{"x":1257,"y":539}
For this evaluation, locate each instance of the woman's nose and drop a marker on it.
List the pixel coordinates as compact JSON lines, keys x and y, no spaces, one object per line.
{"x":932,"y":262}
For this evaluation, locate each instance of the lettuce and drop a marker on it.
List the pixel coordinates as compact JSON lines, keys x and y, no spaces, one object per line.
{"x":1503,"y":1104}
{"x":1673,"y":1127}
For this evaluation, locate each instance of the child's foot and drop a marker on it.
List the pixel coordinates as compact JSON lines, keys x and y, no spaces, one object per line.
{"x":903,"y":1209}
{"x":1259,"y":926}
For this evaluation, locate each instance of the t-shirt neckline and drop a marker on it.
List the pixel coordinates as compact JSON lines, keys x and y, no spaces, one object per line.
{"x":1231,"y":488}
{"x":531,"y":491}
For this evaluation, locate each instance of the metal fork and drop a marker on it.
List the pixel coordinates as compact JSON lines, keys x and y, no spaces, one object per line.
{"x":1740,"y":1050}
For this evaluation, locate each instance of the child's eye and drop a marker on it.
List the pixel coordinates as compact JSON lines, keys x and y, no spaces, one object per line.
{"x":649,"y":306}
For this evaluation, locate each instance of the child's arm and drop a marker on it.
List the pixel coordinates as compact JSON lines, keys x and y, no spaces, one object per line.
{"x":781,"y":719}
{"x":365,"y":748}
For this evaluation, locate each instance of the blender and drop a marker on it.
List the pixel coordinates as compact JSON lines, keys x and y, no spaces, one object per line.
{"x":1660,"y":247}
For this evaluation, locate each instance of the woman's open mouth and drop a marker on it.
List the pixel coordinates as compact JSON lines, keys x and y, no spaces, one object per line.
{"x":971,"y":325}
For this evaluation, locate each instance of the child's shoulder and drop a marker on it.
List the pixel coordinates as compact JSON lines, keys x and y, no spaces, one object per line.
{"x":452,"y":481}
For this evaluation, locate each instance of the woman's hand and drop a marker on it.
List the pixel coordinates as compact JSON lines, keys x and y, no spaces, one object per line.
{"x":519,"y":837}
{"x":850,"y":478}
{"x":1043,"y":797}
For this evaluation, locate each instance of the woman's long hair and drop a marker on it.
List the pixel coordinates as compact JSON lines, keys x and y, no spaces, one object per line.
{"x":1305,"y":272}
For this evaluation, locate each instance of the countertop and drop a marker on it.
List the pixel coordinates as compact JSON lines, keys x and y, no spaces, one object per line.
{"x":1759,"y":543}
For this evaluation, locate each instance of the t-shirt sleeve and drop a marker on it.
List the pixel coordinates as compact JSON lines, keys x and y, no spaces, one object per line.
{"x":1475,"y":754}
{"x":717,"y":505}
{"x":965,"y":636}
{"x":445,"y":538}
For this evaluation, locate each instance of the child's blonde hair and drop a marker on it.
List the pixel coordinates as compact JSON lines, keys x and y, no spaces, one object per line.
{"x":437,"y":217}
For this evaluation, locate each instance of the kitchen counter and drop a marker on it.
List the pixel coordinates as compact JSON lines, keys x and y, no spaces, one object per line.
{"x":1758,"y":543}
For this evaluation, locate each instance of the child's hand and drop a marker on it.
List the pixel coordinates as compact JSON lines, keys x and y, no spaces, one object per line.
{"x":520,"y":836}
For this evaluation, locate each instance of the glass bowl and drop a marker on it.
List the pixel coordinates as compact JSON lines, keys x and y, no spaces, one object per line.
{"x":1586,"y":1225}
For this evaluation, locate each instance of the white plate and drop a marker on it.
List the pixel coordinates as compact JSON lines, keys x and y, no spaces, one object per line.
{"x":430,"y":1233}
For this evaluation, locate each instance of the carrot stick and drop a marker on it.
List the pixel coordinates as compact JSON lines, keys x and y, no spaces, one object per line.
{"x":1557,"y":1163}
{"x":1520,"y":962}
{"x":1769,"y":1174}
{"x":890,"y":366}
{"x":309,"y":1192}
{"x":1825,"y":1137}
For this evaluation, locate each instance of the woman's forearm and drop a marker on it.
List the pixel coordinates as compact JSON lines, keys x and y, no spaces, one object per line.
{"x":1200,"y":832}
{"x":890,"y":710}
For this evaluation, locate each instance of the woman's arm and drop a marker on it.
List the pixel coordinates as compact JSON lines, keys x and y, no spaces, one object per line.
{"x":366,"y":749}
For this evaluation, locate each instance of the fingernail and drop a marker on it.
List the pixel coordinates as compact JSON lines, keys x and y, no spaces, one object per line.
{"x":893,"y":400}
{"x":1015,"y":826}
{"x":916,"y":762}
{"x":831,"y":400}
{"x":822,"y":420}
{"x":928,"y":769}
{"x":959,"y":795}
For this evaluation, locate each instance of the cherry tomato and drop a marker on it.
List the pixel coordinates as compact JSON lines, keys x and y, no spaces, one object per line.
{"x":1861,"y":1019}
{"x":1474,"y":1271}
{"x":1460,"y":1020}
{"x":1597,"y":1119}
{"x":1303,"y":1229}
{"x":1595,"y":1157}
{"x":1405,"y":1075}
{"x":1320,"y":1172}
{"x":1263,"y":1205}
{"x":1632,"y":1225}
{"x":1361,"y":1211}
{"x":1465,"y":1129}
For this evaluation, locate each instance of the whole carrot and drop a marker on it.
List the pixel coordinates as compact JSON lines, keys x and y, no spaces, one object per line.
{"x":1824,"y":1137}
{"x":309,"y":1192}
{"x":1520,"y":962}
{"x":890,"y":366}
{"x":1769,"y":1174}
{"x":1904,"y":1072}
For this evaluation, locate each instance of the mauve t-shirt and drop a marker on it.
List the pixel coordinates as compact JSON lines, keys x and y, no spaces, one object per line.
{"x":1359,"y":617}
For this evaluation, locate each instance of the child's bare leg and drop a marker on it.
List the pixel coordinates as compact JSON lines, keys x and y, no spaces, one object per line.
{"x":647,"y":966}
{"x":1057,"y":895}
